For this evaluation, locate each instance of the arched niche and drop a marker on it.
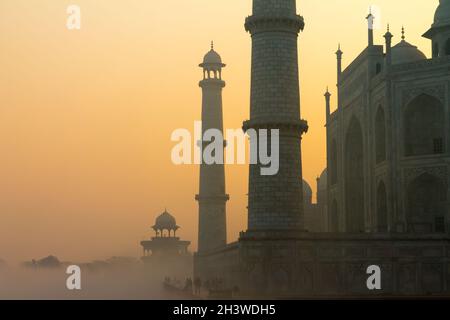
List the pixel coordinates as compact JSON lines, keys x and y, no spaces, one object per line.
{"x":382,"y":208}
{"x":426,"y":204}
{"x":354,"y":177}
{"x":424,"y":126}
{"x":380,"y":136}
{"x":333,"y":163}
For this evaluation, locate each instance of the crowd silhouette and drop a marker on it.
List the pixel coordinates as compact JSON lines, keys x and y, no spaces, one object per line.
{"x":199,"y":288}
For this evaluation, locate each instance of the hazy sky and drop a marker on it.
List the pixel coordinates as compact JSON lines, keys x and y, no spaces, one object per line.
{"x":86,"y":116}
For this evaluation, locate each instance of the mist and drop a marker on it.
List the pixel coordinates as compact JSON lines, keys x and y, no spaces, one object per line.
{"x":99,"y":280}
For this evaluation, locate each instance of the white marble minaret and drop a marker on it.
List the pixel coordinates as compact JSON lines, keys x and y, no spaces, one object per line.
{"x":275,"y":202}
{"x":212,"y":198}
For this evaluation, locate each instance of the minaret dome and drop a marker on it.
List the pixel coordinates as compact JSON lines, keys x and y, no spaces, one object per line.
{"x":212,"y":64}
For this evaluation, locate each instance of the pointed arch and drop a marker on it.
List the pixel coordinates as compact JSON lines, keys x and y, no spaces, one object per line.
{"x":426,"y":204}
{"x":424,"y":126}
{"x":354,"y":177}
{"x":380,"y":136}
{"x":382,"y":208}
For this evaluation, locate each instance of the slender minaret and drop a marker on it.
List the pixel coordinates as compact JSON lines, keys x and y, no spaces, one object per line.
{"x":370,"y":18}
{"x":327,"y":96}
{"x":339,"y":54}
{"x":275,"y":201}
{"x":388,"y":36}
{"x":212,"y":198}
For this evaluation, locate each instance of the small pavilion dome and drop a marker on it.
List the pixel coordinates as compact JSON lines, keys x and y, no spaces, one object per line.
{"x":165,"y":221}
{"x":404,"y":52}
{"x":212,"y":59}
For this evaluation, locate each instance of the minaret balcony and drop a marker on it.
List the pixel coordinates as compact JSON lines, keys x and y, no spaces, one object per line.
{"x":257,"y":24}
{"x":212,"y":83}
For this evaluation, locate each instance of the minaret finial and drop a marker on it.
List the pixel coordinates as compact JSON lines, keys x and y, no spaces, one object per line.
{"x":388,"y":27}
{"x":370,"y":18}
{"x":403,"y":33}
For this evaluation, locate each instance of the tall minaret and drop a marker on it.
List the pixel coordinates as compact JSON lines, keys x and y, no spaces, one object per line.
{"x":212,"y":198}
{"x":276,"y":202}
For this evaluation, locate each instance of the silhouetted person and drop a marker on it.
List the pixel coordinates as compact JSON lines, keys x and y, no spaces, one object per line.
{"x":188,"y":285}
{"x":207,"y":285}
{"x":197,"y":286}
{"x":235,"y":290}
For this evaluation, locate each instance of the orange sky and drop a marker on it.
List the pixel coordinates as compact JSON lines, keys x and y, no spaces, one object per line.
{"x":86,"y":116}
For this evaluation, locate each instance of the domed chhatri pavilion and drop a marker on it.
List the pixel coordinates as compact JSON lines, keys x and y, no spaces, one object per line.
{"x":165,"y":221}
{"x":165,"y":243}
{"x":212,"y":65}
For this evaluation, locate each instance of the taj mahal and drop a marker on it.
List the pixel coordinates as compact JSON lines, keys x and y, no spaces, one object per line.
{"x":384,"y":198}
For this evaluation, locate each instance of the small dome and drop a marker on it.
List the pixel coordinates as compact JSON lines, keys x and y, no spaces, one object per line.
{"x":307,"y":192}
{"x":323,"y":180}
{"x":212,"y":57}
{"x":405,"y":52}
{"x":442,"y":15}
{"x":212,"y":60}
{"x":165,"y":221}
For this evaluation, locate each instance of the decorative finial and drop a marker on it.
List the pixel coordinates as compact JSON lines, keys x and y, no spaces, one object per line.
{"x":403,"y":33}
{"x":212,"y":45}
{"x":388,"y":35}
{"x":339,"y":52}
{"x":370,"y":15}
